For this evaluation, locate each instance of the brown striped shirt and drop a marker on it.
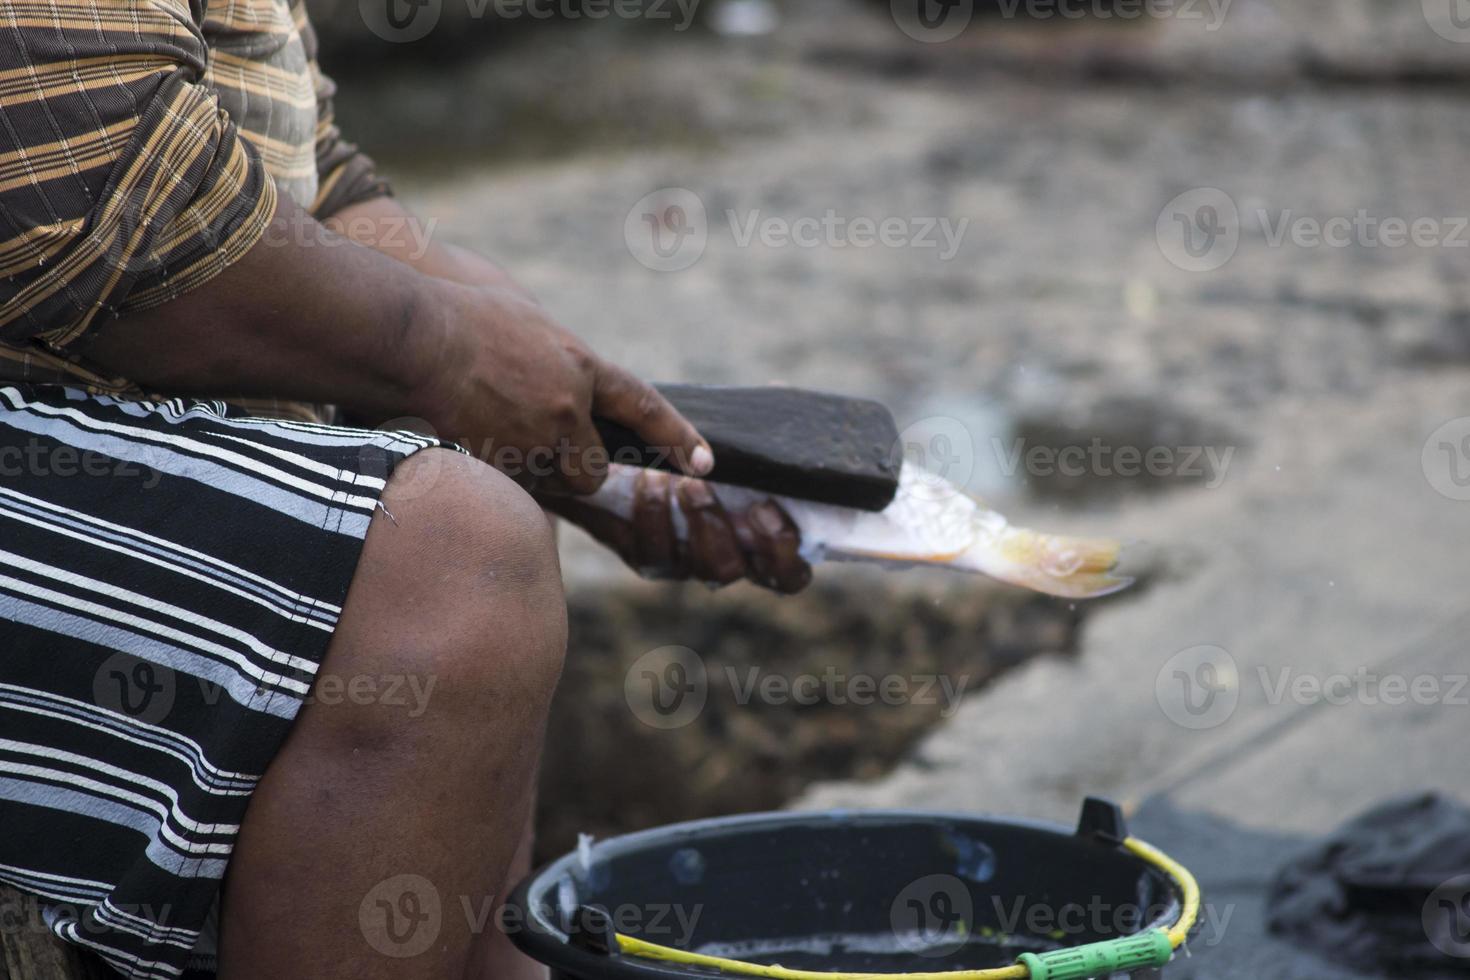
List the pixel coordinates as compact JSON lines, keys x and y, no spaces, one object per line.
{"x":142,"y":147}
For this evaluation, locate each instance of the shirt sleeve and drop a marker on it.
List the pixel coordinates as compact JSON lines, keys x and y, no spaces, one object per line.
{"x":122,"y":183}
{"x":345,"y":175}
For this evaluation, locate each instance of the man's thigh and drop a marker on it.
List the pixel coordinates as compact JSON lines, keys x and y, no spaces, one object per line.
{"x":170,"y":577}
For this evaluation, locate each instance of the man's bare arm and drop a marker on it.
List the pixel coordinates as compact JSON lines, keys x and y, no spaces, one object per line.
{"x":307,"y":314}
{"x":384,"y":224}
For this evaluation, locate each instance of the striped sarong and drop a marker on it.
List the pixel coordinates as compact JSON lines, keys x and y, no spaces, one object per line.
{"x":170,"y":576}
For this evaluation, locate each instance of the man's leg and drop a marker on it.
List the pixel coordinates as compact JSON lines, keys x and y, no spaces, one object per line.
{"x":380,"y":840}
{"x":499,"y":958}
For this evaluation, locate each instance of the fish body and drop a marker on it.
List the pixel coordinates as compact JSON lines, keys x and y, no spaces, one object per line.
{"x":930,"y":522}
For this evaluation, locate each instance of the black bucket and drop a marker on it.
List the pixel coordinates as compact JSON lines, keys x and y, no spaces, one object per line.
{"x":871,"y":891}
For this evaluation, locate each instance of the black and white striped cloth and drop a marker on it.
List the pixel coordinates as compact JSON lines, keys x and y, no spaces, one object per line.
{"x":170,"y":576}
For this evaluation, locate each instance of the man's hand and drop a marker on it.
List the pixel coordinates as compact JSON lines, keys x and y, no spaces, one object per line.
{"x":759,"y":544}
{"x":521,"y":391}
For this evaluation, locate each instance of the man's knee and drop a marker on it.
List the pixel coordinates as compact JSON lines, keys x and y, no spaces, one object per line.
{"x":460,"y":515}
{"x":458,"y":587}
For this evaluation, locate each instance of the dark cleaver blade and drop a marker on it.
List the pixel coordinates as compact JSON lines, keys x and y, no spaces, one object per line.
{"x":810,"y":445}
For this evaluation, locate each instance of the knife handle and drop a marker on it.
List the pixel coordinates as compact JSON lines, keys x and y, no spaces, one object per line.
{"x":794,"y":442}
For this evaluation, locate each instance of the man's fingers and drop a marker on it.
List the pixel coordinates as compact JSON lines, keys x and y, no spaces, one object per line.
{"x":630,"y":401}
{"x":714,"y":551}
{"x":776,"y":549}
{"x":656,"y":553}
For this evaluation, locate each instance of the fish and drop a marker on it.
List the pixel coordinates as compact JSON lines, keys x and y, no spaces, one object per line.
{"x":930,"y":522}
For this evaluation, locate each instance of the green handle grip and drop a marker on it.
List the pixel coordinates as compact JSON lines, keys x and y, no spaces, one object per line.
{"x":1100,"y":959}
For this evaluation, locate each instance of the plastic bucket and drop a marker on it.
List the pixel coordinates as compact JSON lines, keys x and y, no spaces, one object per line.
{"x":872,"y":891}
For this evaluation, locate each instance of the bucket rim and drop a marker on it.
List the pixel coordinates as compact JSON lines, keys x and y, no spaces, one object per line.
{"x":548,"y":943}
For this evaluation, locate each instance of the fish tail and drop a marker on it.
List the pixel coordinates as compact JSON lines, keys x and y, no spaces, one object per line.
{"x":1073,"y":568}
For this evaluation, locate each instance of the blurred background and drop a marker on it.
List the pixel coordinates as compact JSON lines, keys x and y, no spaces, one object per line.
{"x":1230,"y":233}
